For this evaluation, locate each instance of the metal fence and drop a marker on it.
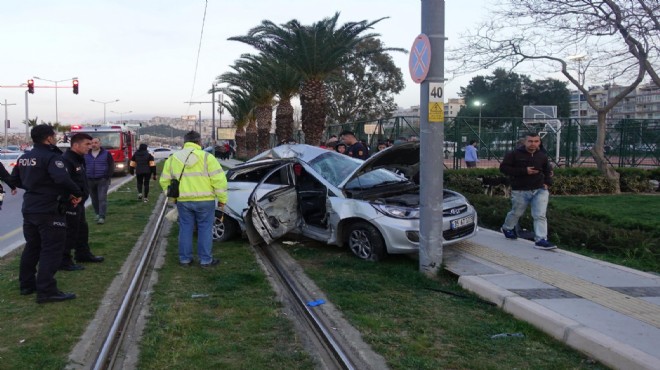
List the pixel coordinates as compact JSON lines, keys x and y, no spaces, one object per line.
{"x":629,"y":143}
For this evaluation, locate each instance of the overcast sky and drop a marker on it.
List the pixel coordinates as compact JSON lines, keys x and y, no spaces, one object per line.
{"x":143,"y":52}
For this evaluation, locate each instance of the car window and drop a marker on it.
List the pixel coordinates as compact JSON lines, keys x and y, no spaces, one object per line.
{"x":375,"y":178}
{"x":255,"y":174}
{"x":334,"y":167}
{"x":162,"y":150}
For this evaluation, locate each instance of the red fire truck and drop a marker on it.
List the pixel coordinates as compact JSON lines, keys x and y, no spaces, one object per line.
{"x":116,"y":139}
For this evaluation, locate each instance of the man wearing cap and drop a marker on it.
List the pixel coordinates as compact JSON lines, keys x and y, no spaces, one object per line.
{"x":48,"y":191}
{"x":354,"y":148}
{"x":202,"y":181}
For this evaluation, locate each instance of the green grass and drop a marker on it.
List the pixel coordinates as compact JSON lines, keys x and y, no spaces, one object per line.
{"x":239,"y":325}
{"x":404,"y":316}
{"x":415,"y":324}
{"x":41,"y":336}
{"x":625,"y":210}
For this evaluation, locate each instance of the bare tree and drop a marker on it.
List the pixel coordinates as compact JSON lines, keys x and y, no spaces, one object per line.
{"x":620,"y":37}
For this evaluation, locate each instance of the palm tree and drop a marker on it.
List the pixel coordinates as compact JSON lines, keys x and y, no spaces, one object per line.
{"x":248,"y":76}
{"x":241,"y":109}
{"x":313,"y":51}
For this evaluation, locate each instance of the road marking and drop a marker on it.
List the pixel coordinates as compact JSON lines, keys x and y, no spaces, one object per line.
{"x":11,"y":233}
{"x":634,"y":307}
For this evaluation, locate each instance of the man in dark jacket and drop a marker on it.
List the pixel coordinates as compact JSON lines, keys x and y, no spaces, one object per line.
{"x":354,"y":147}
{"x":531,"y":176}
{"x":48,"y":189}
{"x":100,"y":167}
{"x":143,"y":165}
{"x":77,"y":231}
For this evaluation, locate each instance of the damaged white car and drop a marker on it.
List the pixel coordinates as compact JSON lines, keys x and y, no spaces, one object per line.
{"x":371,"y":206}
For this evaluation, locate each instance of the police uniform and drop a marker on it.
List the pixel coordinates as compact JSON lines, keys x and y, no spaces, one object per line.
{"x":48,"y":187}
{"x":77,"y":234}
{"x":357,"y":150}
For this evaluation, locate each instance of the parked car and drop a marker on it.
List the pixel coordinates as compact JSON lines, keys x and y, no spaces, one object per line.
{"x":9,"y":159}
{"x":161,"y":153}
{"x":371,"y":206}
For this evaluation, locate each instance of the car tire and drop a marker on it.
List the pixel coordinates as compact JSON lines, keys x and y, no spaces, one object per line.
{"x":365,"y":241}
{"x":223,"y":230}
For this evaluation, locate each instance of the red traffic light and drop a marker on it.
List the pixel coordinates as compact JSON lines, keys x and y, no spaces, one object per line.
{"x":75,"y":87}
{"x":31,"y":86}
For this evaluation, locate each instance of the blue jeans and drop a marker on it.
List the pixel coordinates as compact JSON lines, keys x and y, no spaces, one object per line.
{"x":203,"y":214}
{"x":520,"y":199}
{"x":98,"y":191}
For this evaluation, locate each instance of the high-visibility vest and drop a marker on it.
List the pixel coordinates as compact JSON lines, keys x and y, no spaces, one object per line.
{"x":202,"y":179}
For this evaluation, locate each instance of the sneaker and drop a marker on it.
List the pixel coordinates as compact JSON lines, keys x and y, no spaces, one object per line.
{"x":210,"y":264}
{"x":139,"y":196}
{"x":544,"y":244}
{"x":509,"y":234}
{"x":186,"y":264}
{"x":100,"y":221}
{"x":145,"y":200}
{"x":96,"y":218}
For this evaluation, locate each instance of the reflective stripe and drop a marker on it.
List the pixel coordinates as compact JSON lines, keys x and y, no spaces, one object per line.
{"x":197,"y":194}
{"x":195,"y":174}
{"x":216,"y":172}
{"x":166,"y":176}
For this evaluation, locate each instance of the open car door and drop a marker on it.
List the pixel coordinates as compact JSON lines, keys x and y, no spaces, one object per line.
{"x":273,"y":207}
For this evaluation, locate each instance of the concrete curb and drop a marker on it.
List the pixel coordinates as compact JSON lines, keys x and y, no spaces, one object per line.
{"x":605,"y":349}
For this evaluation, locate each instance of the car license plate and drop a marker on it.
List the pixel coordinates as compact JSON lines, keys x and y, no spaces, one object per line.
{"x":455,"y":224}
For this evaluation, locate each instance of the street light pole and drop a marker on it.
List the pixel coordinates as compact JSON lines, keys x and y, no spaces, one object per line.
{"x":479,"y":104}
{"x":57,"y":119}
{"x":104,"y":104}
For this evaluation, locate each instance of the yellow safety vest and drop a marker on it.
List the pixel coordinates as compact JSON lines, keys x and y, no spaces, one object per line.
{"x":202,"y":179}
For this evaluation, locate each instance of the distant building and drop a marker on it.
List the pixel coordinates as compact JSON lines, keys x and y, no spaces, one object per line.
{"x":641,"y":103}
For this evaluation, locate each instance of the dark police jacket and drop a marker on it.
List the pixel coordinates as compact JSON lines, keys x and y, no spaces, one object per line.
{"x":75,"y":165}
{"x":42,"y":173}
{"x":515,"y":165}
{"x":357,"y":150}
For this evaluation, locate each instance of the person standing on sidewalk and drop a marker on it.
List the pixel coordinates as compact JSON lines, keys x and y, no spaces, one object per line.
{"x":100,"y":167}
{"x":143,"y":165}
{"x":471,"y":157}
{"x":48,"y":191}
{"x":77,"y":229}
{"x":531,"y":176}
{"x":202,"y":182}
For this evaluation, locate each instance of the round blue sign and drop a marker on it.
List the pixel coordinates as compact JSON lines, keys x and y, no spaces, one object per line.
{"x":420,"y":58}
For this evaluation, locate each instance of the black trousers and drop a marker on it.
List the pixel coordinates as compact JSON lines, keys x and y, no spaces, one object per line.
{"x":77,"y":235}
{"x":143,"y":180}
{"x":45,"y":236}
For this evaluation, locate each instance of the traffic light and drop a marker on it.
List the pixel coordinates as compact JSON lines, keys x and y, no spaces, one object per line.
{"x":75,"y":87}
{"x":31,"y":86}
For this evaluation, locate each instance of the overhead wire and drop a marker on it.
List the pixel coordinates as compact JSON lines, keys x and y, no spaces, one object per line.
{"x":199,"y":49}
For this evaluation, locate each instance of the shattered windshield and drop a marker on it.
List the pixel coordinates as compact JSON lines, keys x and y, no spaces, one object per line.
{"x":334,"y":167}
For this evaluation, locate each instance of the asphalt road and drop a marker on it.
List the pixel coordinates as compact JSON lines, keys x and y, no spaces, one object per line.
{"x":11,"y":218}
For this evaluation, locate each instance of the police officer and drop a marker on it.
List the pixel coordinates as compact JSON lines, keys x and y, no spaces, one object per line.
{"x":354,"y":148}
{"x":48,"y":188}
{"x":77,"y":231}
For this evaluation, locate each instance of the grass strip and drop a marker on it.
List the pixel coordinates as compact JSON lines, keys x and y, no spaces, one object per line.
{"x":41,"y":336}
{"x":421,"y":323}
{"x":224,"y":317}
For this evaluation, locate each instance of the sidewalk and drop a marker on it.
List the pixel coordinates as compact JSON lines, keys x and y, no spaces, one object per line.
{"x":609,"y":312}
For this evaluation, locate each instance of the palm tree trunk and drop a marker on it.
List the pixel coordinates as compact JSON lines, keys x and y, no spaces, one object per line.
{"x":241,"y":152}
{"x":251,"y":139}
{"x":264,"y":114}
{"x":314,"y":109}
{"x":284,"y":120}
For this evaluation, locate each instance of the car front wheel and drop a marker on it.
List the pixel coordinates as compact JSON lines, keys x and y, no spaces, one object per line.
{"x":224,"y":228}
{"x":365,"y":241}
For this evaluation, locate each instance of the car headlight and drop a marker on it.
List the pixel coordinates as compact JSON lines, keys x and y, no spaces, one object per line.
{"x":397,"y":212}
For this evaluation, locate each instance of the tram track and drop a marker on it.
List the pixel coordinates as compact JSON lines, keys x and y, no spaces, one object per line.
{"x":112,"y":336}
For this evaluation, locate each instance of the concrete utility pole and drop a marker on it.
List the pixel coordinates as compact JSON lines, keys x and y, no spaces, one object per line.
{"x":432,"y":140}
{"x":6,"y":121}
